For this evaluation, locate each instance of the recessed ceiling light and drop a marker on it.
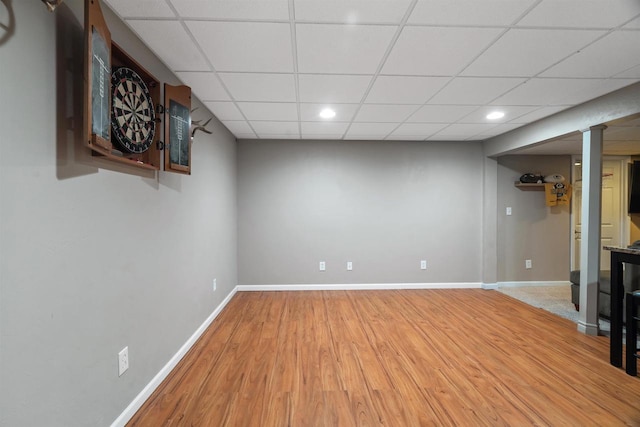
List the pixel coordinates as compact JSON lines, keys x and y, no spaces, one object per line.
{"x":495,"y":115}
{"x":327,"y":113}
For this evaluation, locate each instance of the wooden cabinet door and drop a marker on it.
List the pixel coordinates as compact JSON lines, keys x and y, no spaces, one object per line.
{"x":97,"y":77}
{"x":177,"y":124}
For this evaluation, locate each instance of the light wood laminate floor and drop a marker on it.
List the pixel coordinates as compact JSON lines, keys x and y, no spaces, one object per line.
{"x":394,"y":358}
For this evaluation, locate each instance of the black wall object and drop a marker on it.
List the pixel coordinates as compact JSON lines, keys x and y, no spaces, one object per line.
{"x":634,"y":187}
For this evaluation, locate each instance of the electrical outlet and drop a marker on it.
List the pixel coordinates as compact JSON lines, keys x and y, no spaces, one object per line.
{"x":323,"y":266}
{"x":349,"y":266}
{"x":527,"y":264}
{"x":423,"y":264}
{"x":508,"y":210}
{"x":123,"y":361}
{"x":214,"y":285}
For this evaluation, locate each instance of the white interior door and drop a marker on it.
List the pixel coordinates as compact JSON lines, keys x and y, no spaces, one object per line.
{"x":612,"y":215}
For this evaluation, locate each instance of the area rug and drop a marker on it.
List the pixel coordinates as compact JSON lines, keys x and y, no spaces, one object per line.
{"x":555,"y":299}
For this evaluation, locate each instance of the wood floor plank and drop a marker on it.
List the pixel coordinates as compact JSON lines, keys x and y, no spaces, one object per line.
{"x":405,"y":358}
{"x":277,"y":412}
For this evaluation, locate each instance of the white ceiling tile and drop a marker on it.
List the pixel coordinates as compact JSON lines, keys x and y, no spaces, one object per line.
{"x":355,"y":137}
{"x":351,"y":11}
{"x":238,"y":127}
{"x":400,"y":90}
{"x":370,"y":130}
{"x":341,"y":49}
{"x":320,"y":136}
{"x":635,"y":24}
{"x":630,"y":122}
{"x":204,"y":85}
{"x":263,"y":128}
{"x":539,"y":114}
{"x":260,"y":87}
{"x":454,"y":48}
{"x":560,"y":91}
{"x":474,"y":90}
{"x":405,"y":138}
{"x":283,"y":136}
{"x":603,"y":87}
{"x":323,"y":128}
{"x":468,"y":12}
{"x":311,"y":112}
{"x":232,"y":9}
{"x":633,"y":73}
{"x":238,"y":58}
{"x":172,"y":44}
{"x":224,"y":110}
{"x":452,"y":138}
{"x":463,"y":131}
{"x":622,"y":134}
{"x":417,"y":129}
{"x":245,"y":46}
{"x":141,"y":8}
{"x":269,"y":111}
{"x":498,"y":130}
{"x":384,"y":113}
{"x":510,"y":112}
{"x":581,"y":13}
{"x":602,"y":58}
{"x":526,"y":52}
{"x":441,"y":113}
{"x":332,"y":88}
{"x":622,"y":148}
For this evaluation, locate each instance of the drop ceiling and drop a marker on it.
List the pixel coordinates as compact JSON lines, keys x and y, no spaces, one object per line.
{"x":621,"y":138}
{"x":391,"y":69}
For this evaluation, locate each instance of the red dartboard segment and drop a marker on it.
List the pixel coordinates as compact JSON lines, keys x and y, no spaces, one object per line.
{"x":133,"y":116}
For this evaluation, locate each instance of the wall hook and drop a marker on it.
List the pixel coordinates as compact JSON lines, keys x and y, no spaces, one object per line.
{"x":52,"y":4}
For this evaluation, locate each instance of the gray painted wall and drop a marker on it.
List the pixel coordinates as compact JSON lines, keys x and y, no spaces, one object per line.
{"x":534,"y":231}
{"x":91,"y":258}
{"x":382,"y":205}
{"x":95,"y":256}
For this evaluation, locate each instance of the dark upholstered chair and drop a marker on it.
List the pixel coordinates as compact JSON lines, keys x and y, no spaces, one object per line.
{"x":631,"y":281}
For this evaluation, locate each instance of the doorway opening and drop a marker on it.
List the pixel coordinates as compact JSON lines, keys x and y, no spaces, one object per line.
{"x":614,"y":229}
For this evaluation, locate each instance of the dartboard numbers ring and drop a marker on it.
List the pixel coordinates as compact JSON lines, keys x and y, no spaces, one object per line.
{"x":133,"y":122}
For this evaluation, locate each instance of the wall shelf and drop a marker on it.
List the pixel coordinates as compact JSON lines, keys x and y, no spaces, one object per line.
{"x":529,"y":187}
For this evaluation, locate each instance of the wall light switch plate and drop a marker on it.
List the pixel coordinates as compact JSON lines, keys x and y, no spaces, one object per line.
{"x":323,"y":266}
{"x":508,"y":210}
{"x":215,"y":285}
{"x":123,"y":361}
{"x":349,"y":266}
{"x":423,"y":265}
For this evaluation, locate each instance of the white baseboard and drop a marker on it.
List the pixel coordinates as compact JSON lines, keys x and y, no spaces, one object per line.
{"x":490,"y":286}
{"x":522,"y":284}
{"x":142,"y":397}
{"x":358,"y":286}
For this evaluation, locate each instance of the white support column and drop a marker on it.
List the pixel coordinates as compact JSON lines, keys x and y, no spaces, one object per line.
{"x":591,"y":244}
{"x":490,"y":224}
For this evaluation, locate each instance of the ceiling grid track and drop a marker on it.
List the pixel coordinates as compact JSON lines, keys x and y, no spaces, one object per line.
{"x":392,"y":43}
{"x":392,"y":70}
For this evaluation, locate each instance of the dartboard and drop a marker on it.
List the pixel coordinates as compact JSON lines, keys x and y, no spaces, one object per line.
{"x":132,"y":115}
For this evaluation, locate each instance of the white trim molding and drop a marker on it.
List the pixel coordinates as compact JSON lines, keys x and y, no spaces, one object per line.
{"x":358,"y":286}
{"x":523,"y":284}
{"x":142,"y":397}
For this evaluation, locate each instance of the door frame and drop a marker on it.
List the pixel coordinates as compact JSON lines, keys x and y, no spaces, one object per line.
{"x":625,"y":219}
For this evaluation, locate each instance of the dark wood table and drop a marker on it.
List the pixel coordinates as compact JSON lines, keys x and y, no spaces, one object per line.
{"x":618,"y":256}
